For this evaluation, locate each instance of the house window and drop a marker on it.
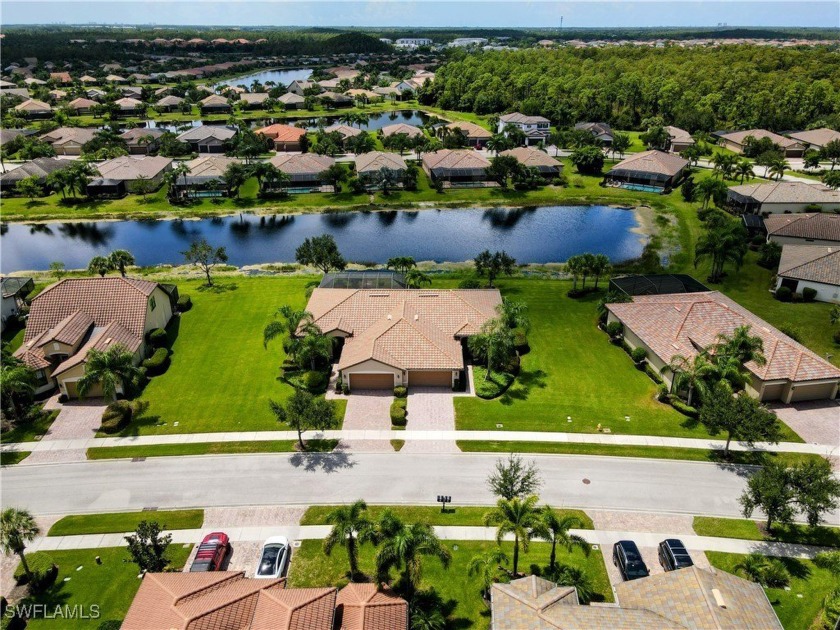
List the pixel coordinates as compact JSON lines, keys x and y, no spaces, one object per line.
{"x":152,"y":302}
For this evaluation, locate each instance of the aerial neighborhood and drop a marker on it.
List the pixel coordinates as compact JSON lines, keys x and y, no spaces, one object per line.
{"x":403,"y":328}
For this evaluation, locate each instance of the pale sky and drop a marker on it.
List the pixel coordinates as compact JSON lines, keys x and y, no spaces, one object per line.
{"x":414,"y":13}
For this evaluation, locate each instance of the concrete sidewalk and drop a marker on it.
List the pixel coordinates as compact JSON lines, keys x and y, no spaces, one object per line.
{"x":411,"y":436}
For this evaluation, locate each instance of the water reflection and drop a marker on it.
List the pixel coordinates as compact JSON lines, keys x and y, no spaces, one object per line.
{"x":90,"y":233}
{"x":506,"y":218}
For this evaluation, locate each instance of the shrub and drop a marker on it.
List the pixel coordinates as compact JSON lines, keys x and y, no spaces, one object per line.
{"x":315,"y":380}
{"x":774,"y":574}
{"x":356,"y":186}
{"x":783,"y":294}
{"x":438,"y":185}
{"x":345,"y":389}
{"x":520,"y":338}
{"x":157,"y":363}
{"x":769,"y":255}
{"x":469,"y":283}
{"x":39,"y":564}
{"x":813,"y":207}
{"x":684,"y":409}
{"x":184,"y":303}
{"x":338,"y":385}
{"x":614,"y":329}
{"x":513,"y":364}
{"x":796,"y":297}
{"x":661,"y":392}
{"x":400,"y":391}
{"x":837,"y":337}
{"x":399,"y":412}
{"x":63,"y":398}
{"x":157,"y":337}
{"x":794,"y":332}
{"x":116,"y":416}
{"x":638,"y":354}
{"x":808,"y":294}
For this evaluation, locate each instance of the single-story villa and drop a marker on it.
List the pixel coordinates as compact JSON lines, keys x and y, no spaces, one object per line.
{"x":68,"y":140}
{"x":364,"y":95}
{"x":477,"y":136}
{"x":534,"y":158}
{"x":39,"y":167}
{"x":781,"y":197}
{"x":401,"y":128}
{"x":685,"y":323}
{"x":387,"y":92}
{"x":81,"y":105}
{"x":95,"y":94}
{"x":14,"y":290}
{"x":649,"y":168}
{"x":811,"y":267}
{"x":334,"y":99}
{"x":129,"y":106}
{"x":286,"y":137}
{"x":75,"y":315}
{"x":88,"y":80}
{"x":205,"y":176}
{"x":409,"y":337}
{"x":115,"y":78}
{"x":169,"y":103}
{"x":299,"y":86}
{"x":601,"y":131}
{"x":61,"y":77}
{"x":253,"y":99}
{"x":290,"y":100}
{"x":345,"y":131}
{"x":304,"y":169}
{"x":228,"y":599}
{"x":815,"y":138}
{"x":215,"y":104}
{"x":686,"y":598}
{"x":368,"y":165}
{"x":736,"y":140}
{"x":207,"y":138}
{"x":803,"y":229}
{"x":142,"y":140}
{"x":33,"y":108}
{"x":535,"y":128}
{"x":459,"y":167}
{"x":133,"y":92}
{"x":131,"y":169}
{"x":678,"y":139}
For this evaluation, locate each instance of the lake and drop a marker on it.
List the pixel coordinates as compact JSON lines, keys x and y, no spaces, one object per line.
{"x":536,"y":235}
{"x":280,"y":77}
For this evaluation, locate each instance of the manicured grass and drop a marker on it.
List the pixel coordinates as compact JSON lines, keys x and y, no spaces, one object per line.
{"x":492,"y":386}
{"x":110,"y":585}
{"x":460,"y":592}
{"x":117,"y":522}
{"x":467,"y":515}
{"x":798,"y":607}
{"x":29,"y":431}
{"x":13,"y":332}
{"x":13,"y":457}
{"x":397,"y":444}
{"x":753,"y":530}
{"x":207,"y":448}
{"x":610,"y":450}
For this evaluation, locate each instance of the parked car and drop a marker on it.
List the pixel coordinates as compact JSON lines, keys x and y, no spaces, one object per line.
{"x":673,"y":555}
{"x":274,"y":558}
{"x":211,"y":552}
{"x":629,"y":561}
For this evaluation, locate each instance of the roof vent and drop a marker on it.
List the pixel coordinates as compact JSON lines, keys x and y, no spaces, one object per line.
{"x":108,"y":340}
{"x":719,"y":600}
{"x":379,"y":294}
{"x":422,"y":295}
{"x":389,"y":316}
{"x":416,"y":317}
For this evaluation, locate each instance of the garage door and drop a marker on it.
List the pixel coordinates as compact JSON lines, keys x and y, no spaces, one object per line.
{"x":371,"y":381}
{"x":430,"y":379}
{"x":812,"y":392}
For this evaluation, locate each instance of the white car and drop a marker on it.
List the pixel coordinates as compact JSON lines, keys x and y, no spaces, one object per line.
{"x":274,"y":558}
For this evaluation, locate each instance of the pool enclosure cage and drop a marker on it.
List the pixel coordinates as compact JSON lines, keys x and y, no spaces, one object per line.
{"x":367,"y":279}
{"x":656,"y":284}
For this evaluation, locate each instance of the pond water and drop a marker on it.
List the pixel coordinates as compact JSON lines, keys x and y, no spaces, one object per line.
{"x":537,"y":235}
{"x":280,"y":77}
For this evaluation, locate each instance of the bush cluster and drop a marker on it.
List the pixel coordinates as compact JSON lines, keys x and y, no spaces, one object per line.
{"x":808,"y":294}
{"x":469,"y":283}
{"x":157,"y":363}
{"x":116,"y":416}
{"x":614,"y":329}
{"x":783,"y":294}
{"x":400,"y":391}
{"x":184,"y":303}
{"x":520,"y":339}
{"x":638,"y":354}
{"x":315,"y":380}
{"x":44,"y":572}
{"x":399,"y":412}
{"x":157,"y":337}
{"x":684,"y":409}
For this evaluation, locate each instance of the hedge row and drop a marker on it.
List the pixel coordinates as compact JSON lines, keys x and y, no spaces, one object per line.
{"x":157,"y":363}
{"x":399,"y":412}
{"x":116,"y":416}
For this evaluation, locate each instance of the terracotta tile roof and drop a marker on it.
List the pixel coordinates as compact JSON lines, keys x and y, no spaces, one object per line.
{"x":470,"y":129}
{"x":170,"y":101}
{"x":69,"y":330}
{"x":531,"y":157}
{"x":410,"y":130}
{"x":739,"y":137}
{"x":407,"y":328}
{"x":295,"y":609}
{"x":81,"y":103}
{"x":346,"y":131}
{"x":788,"y":192}
{"x":657,"y":162}
{"x":128,"y":103}
{"x":302,"y":163}
{"x":113,"y":334}
{"x":63,"y":135}
{"x":282,"y":133}
{"x":254,"y":98}
{"x":679,"y":135}
{"x":290,"y":98}
{"x":811,"y":263}
{"x":130,"y":168}
{"x":210,"y":165}
{"x":816,"y":137}
{"x":375,"y":161}
{"x":682,"y":323}
{"x":214,"y":99}
{"x":33,"y":105}
{"x":816,"y":226}
{"x":364,"y":607}
{"x":454,"y":159}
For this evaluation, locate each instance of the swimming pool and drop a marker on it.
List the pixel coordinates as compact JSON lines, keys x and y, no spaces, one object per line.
{"x":643,"y":188}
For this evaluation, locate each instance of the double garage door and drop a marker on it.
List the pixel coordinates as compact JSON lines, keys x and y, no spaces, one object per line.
{"x":430,"y":379}
{"x":415,"y":379}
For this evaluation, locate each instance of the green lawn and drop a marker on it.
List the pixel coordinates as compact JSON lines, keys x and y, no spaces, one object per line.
{"x":118,"y":522}
{"x":753,"y":530}
{"x":473,"y":516}
{"x":459,"y":592}
{"x":111,"y":586}
{"x":798,"y":607}
{"x":13,"y":457}
{"x":29,"y":431}
{"x":207,"y":448}
{"x":13,"y":334}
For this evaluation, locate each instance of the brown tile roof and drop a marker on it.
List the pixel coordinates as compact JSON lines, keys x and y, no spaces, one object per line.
{"x":128,"y":103}
{"x":454,"y":159}
{"x":529,"y":156}
{"x":679,"y":135}
{"x":63,"y":135}
{"x":364,"y":607}
{"x":346,"y":131}
{"x":69,"y":330}
{"x":816,"y":137}
{"x":133,"y":135}
{"x":33,"y":105}
{"x":130,"y":168}
{"x":470,"y":129}
{"x":210,"y":165}
{"x":407,"y":328}
{"x":739,"y":137}
{"x":302,"y":163}
{"x":170,"y":101}
{"x":377,"y":160}
{"x":657,"y":162}
{"x":788,"y":192}
{"x":516,"y":117}
{"x":205,"y":132}
{"x":113,"y":334}
{"x":282,"y":133}
{"x":290,"y":98}
{"x":254,"y":98}
{"x":295,"y":609}
{"x":681,"y":323}
{"x":811,"y":263}
{"x":214,"y":99}
{"x":81,"y":103}
{"x":410,"y":130}
{"x":816,"y":226}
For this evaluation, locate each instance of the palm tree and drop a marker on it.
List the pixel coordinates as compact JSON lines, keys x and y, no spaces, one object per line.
{"x":557,"y":531}
{"x":403,"y":547}
{"x":486,"y":566}
{"x":721,"y":245}
{"x":497,"y":143}
{"x":741,"y":345}
{"x":313,"y":346}
{"x":414,"y":278}
{"x":711,"y":189}
{"x":401,"y":264}
{"x":350,"y":527}
{"x":427,"y":618}
{"x":752,"y":566}
{"x":519,"y":517}
{"x":121,"y":258}
{"x":777,"y":168}
{"x":599,"y":265}
{"x":744,"y":170}
{"x":514,"y":314}
{"x":110,"y":369}
{"x":100,"y":265}
{"x":692,"y":374}
{"x":495,"y":343}
{"x":293,"y":320}
{"x":723,"y":164}
{"x":387,"y":179}
{"x":17,"y":382}
{"x":17,"y":527}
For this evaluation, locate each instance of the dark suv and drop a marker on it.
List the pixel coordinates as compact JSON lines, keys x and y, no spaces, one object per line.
{"x":629,"y":561}
{"x":673,"y":555}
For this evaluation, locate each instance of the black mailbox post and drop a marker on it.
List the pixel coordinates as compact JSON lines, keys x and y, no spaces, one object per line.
{"x":443,"y":500}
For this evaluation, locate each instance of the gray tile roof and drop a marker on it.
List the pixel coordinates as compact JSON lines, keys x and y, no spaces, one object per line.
{"x":811,"y":263}
{"x":815,"y":226}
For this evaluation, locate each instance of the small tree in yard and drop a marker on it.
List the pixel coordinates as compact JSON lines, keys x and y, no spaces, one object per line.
{"x":555,"y":529}
{"x":519,"y":517}
{"x":816,"y":489}
{"x":494,"y":344}
{"x":120,"y":259}
{"x":205,"y":256}
{"x":148,"y":547}
{"x":142,"y":186}
{"x":349,"y":527}
{"x":100,"y":265}
{"x":58,"y":269}
{"x":333,"y":176}
{"x":486,"y":566}
{"x":321,"y":252}
{"x":769,"y":490}
{"x":513,"y":477}
{"x":494,"y":264}
{"x":502,"y":168}
{"x":741,"y":417}
{"x":109,"y":369}
{"x":29,"y":187}
{"x":305,"y":412}
{"x":17,"y":527}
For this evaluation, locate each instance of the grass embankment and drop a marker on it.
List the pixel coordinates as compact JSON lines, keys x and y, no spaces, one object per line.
{"x":208,"y":448}
{"x":467,"y":515}
{"x":13,"y":457}
{"x":460,"y":592}
{"x":118,"y":522}
{"x":746,"y":529}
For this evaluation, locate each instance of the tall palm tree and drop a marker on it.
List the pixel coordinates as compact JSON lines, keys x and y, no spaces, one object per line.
{"x":17,"y":527}
{"x":514,"y":313}
{"x":520,"y":517}
{"x":414,"y":278}
{"x":350,"y":527}
{"x":401,"y":264}
{"x":100,"y":265}
{"x":486,"y":566}
{"x":741,"y":345}
{"x":494,"y":343}
{"x":293,"y":321}
{"x":17,"y":382}
{"x":121,"y":258}
{"x":744,"y":170}
{"x":403,"y":547}
{"x":313,"y":346}
{"x":110,"y":369}
{"x":777,"y":168}
{"x":387,"y":179}
{"x":557,"y":531}
{"x":721,"y":245}
{"x":497,"y":143}
{"x":693,"y":374}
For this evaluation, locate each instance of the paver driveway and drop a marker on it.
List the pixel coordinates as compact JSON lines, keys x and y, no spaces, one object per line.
{"x":77,"y":419}
{"x":430,"y":409}
{"x":816,"y":421}
{"x":368,"y":410}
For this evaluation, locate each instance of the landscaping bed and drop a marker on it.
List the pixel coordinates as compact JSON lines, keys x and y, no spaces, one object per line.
{"x":492,"y":387}
{"x":118,"y":522}
{"x":30,"y":431}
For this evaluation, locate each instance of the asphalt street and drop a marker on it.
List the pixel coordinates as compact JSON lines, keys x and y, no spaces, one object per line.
{"x":271,"y":479}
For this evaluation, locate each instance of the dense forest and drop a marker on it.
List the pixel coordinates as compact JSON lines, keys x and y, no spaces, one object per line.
{"x":698,"y":89}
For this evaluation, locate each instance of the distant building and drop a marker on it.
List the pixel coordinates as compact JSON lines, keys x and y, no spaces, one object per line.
{"x":815,"y":138}
{"x":535,"y":128}
{"x":737,"y":140}
{"x":600,"y":130}
{"x":781,"y":197}
{"x":413,"y":42}
{"x":802,"y":229}
{"x":811,"y":267}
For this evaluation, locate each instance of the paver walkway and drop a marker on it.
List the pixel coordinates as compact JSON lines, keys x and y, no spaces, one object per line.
{"x":77,"y":420}
{"x":430,"y":409}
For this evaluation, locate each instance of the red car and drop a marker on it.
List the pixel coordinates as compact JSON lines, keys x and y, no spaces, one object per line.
{"x":211,"y":552}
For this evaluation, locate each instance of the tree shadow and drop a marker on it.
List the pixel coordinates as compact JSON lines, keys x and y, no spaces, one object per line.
{"x":522,"y":386}
{"x":741,"y":470}
{"x":325,"y":462}
{"x":218,"y":287}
